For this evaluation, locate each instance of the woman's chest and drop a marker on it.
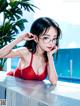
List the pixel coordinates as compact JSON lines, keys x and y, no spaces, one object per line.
{"x":38,"y":64}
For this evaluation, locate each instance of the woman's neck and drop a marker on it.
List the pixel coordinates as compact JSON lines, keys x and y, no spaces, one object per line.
{"x":39,"y":51}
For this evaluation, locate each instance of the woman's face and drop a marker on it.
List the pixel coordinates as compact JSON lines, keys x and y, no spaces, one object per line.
{"x":47,"y":41}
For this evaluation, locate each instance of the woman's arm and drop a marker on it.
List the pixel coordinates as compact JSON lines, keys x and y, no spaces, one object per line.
{"x":51,"y":68}
{"x":7,"y":51}
{"x":8,"y":48}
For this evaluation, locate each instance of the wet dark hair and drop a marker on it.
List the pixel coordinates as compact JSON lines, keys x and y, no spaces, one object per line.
{"x":40,"y":26}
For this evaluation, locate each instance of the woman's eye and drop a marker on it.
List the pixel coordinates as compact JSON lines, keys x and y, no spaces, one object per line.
{"x":46,"y":38}
{"x":54,"y":38}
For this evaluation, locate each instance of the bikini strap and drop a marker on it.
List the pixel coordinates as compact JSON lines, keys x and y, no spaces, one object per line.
{"x":31,"y":59}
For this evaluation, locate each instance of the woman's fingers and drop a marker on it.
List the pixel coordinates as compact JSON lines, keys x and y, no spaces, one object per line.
{"x":55,"y":49}
{"x":30,"y":36}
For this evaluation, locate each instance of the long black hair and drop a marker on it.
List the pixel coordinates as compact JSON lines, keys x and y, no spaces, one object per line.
{"x":38,"y":27}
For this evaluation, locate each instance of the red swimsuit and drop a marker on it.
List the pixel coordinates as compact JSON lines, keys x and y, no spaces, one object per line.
{"x":28,"y":73}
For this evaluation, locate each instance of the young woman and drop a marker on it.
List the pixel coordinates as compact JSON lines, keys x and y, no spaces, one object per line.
{"x":36,"y":57}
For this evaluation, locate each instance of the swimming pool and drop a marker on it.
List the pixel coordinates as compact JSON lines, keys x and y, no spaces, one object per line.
{"x":72,"y":80}
{"x":68,"y":79}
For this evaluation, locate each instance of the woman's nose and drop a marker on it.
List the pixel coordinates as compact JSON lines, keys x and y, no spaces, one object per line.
{"x":51,"y":43}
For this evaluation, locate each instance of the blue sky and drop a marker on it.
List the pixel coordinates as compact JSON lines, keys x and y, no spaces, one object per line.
{"x":66,"y":13}
{"x":70,"y":35}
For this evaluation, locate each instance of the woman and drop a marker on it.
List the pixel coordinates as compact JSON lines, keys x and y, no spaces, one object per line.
{"x":36,"y":57}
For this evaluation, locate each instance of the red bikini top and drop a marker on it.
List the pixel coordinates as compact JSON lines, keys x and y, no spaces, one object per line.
{"x":28,"y":73}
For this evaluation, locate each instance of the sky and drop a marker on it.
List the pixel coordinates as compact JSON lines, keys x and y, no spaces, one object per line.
{"x":65,"y":12}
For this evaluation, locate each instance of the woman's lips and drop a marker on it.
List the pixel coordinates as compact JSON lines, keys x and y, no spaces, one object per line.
{"x":49,"y":48}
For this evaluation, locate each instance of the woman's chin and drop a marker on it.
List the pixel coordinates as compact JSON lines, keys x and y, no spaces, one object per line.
{"x":48,"y":50}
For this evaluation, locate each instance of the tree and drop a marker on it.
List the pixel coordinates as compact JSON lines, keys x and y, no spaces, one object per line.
{"x":12,"y":20}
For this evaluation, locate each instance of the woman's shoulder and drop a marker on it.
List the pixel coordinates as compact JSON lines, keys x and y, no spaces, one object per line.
{"x":23,"y":50}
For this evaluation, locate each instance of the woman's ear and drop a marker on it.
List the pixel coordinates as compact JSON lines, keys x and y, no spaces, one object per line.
{"x":36,"y":39}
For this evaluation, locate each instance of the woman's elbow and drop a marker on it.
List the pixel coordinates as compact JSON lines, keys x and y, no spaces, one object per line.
{"x":53,"y":81}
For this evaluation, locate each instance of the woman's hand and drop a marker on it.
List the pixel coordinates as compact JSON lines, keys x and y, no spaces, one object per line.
{"x":54,"y":50}
{"x":28,"y":36}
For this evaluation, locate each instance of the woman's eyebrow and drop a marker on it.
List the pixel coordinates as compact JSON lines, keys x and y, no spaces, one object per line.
{"x":55,"y":36}
{"x":46,"y":35}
